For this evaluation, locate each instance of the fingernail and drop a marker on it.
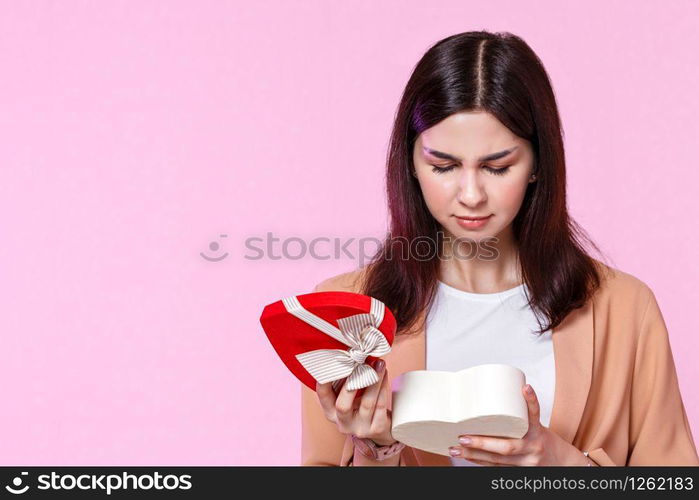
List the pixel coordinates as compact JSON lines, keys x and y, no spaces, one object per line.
{"x":529,"y":389}
{"x":381,"y":364}
{"x":454,"y":451}
{"x":465,"y":440}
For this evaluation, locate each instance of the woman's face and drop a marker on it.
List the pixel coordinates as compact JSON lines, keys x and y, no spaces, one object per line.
{"x":470,"y":184}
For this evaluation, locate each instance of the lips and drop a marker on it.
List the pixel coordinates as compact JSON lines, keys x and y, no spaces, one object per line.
{"x":473,"y":218}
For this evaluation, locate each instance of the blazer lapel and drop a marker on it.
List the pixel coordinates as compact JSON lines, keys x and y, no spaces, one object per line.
{"x":573,"y":353}
{"x":573,"y":350}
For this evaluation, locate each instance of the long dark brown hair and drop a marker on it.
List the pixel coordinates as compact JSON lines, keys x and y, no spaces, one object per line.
{"x":500,"y":74}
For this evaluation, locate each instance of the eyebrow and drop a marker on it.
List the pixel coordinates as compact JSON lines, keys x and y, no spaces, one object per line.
{"x":489,"y":157}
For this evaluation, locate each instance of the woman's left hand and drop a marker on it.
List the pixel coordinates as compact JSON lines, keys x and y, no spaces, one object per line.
{"x":540,"y":446}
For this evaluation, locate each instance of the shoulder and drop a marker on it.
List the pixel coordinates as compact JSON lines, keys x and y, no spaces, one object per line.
{"x":351,"y":281}
{"x":620,"y":292}
{"x":619,"y":318}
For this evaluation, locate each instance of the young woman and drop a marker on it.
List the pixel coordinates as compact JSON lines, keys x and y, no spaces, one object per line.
{"x":481,"y":251}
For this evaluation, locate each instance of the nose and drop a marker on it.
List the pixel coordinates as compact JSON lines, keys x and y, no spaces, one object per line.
{"x":471,"y":191}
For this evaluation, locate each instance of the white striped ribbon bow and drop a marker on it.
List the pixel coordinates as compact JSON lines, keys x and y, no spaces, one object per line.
{"x":359,"y":332}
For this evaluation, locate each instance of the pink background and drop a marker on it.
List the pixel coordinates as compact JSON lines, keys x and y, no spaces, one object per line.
{"x":136,"y":133}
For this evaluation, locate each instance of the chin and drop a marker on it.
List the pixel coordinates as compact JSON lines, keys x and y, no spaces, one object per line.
{"x":488,"y":230}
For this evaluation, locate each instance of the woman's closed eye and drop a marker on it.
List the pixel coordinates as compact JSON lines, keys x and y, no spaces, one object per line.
{"x":447,"y":168}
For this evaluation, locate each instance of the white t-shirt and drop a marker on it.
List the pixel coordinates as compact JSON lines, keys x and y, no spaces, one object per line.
{"x":466,"y":329}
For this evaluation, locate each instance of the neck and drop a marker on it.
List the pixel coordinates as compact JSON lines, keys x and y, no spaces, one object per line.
{"x":486,"y":266}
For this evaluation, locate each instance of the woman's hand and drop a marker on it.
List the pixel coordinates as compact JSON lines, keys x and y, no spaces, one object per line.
{"x":540,"y":446}
{"x":368,"y":417}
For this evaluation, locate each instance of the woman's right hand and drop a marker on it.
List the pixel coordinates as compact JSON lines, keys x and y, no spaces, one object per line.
{"x":368,"y":417}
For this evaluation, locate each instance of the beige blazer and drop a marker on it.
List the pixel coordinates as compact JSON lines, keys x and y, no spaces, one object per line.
{"x":616,"y":391}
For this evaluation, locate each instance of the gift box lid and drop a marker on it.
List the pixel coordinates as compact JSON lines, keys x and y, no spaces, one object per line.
{"x":299,"y":325}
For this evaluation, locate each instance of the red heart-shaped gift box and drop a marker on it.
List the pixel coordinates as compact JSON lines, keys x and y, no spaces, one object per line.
{"x":290,"y":335}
